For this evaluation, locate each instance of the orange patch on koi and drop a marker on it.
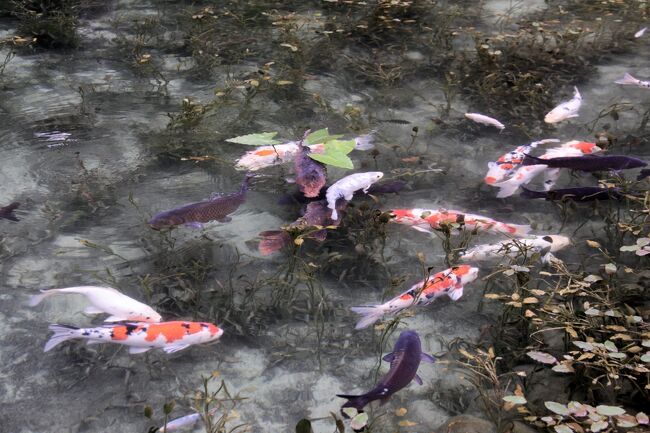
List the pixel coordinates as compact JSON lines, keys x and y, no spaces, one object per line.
{"x":172,"y":331}
{"x":265,"y":152}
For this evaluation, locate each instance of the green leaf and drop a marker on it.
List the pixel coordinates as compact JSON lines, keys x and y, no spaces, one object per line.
{"x":335,"y":159}
{"x":646,"y":357}
{"x":610,"y":346}
{"x":516,"y":399}
{"x":350,"y":411}
{"x":609,"y":410}
{"x":304,"y":426}
{"x":563,"y":428}
{"x":359,"y":421}
{"x":558,"y":408}
{"x":339,"y":146}
{"x":259,"y":139}
{"x":319,"y":136}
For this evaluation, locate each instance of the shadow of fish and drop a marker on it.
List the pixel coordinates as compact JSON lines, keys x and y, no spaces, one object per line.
{"x":582,"y":194}
{"x":216,"y":208}
{"x":404,"y":362}
{"x":7,"y":212}
{"x":588,"y":162}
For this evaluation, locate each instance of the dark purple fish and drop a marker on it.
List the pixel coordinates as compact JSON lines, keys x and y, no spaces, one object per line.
{"x":386,"y":187}
{"x":311,"y":175}
{"x":643,"y":174}
{"x":316,"y":214}
{"x":404,"y":362}
{"x":7,"y":212}
{"x":216,"y":208}
{"x":588,"y":162}
{"x":587,"y":193}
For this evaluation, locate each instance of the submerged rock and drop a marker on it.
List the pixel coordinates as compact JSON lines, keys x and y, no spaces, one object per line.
{"x":467,"y":424}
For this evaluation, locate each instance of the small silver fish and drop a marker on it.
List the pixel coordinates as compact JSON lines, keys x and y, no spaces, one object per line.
{"x":640,"y":32}
{"x":485,"y":120}
{"x":629,"y":80}
{"x":565,"y":110}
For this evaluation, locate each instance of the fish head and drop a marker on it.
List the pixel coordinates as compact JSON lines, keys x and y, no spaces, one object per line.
{"x":147,"y":315}
{"x":213,"y":332}
{"x":403,"y":216}
{"x":558,"y":242}
{"x":554,"y":116}
{"x":374,"y":176}
{"x":408,"y":342}
{"x":465,"y":274}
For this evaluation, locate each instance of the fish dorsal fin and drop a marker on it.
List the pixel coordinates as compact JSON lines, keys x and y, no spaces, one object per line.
{"x":389,"y":358}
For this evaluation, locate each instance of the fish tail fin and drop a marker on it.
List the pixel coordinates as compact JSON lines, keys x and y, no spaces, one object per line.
{"x":246,"y":182}
{"x":576,"y":93}
{"x":272,"y":241}
{"x":36,"y":299}
{"x":370,"y":314}
{"x":627,"y":79}
{"x":8,"y":211}
{"x":61,"y":333}
{"x":507,"y":188}
{"x":364,"y":142}
{"x":533,"y":160}
{"x":356,"y":401}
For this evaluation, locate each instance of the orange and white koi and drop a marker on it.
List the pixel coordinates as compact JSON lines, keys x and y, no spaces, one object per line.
{"x":266,"y":156}
{"x":565,"y":110}
{"x":514,"y":247}
{"x":106,"y":300}
{"x":508,"y":162}
{"x":523,"y":175}
{"x":630,"y":80}
{"x":485,"y":120}
{"x":428,"y":220}
{"x":140,"y":336}
{"x":449,"y":282}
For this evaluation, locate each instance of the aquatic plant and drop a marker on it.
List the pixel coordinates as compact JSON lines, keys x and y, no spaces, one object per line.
{"x":53,"y":24}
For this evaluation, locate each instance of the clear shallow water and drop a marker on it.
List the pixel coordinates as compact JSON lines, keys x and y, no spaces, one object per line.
{"x":100,"y":184}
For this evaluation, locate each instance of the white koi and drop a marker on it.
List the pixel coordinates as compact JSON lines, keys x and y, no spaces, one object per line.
{"x":106,"y":300}
{"x":345,"y":188}
{"x":513,"y":247}
{"x":485,"y":120}
{"x":640,"y":32}
{"x":267,"y":156}
{"x":631,"y":81}
{"x":449,"y":282}
{"x":565,"y":110}
{"x":140,"y":336}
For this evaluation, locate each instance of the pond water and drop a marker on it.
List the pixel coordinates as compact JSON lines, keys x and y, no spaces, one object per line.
{"x":97,"y":138}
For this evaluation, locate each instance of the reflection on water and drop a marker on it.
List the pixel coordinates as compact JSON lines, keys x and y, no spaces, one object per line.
{"x":98,"y":137}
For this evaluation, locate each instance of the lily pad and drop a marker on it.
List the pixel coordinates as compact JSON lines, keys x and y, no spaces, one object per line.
{"x":557,"y":408}
{"x":515,"y":399}
{"x":335,"y":159}
{"x":319,"y":136}
{"x":259,"y":139}
{"x":609,"y":410}
{"x":542,"y":357}
{"x":359,"y":421}
{"x":563,"y":428}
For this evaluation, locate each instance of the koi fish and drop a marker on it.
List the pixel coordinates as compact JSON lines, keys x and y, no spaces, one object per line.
{"x":565,"y":110}
{"x":485,"y":120}
{"x":449,"y":282}
{"x":7,"y":212}
{"x":140,"y":336}
{"x":588,"y":162}
{"x":581,"y":194}
{"x":267,"y":156}
{"x":311,"y":175}
{"x":630,"y":80}
{"x":428,"y":220}
{"x":513,"y":247}
{"x":106,"y":300}
{"x":507,"y":163}
{"x":523,"y":175}
{"x":316,"y":214}
{"x":218,"y":207}
{"x":404,"y":363}
{"x":640,"y":32}
{"x":345,"y":188}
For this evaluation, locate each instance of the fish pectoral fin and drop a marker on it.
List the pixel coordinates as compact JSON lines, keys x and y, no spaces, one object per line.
{"x":418,"y":379}
{"x":175,"y":347}
{"x":93,"y":310}
{"x":115,"y":318}
{"x":456,"y":294}
{"x":425,"y":357}
{"x":389,"y":358}
{"x":135,"y":350}
{"x":194,"y":225}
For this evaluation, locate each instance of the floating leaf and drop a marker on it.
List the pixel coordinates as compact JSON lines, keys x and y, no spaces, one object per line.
{"x":350,"y":411}
{"x":646,"y":357}
{"x":609,"y":410}
{"x":284,"y":82}
{"x":642,"y":418}
{"x":319,"y":136}
{"x":335,"y":159}
{"x":359,"y":421}
{"x":626,"y":421}
{"x":304,"y":426}
{"x":610,"y":346}
{"x":258,"y":139}
{"x":592,"y":312}
{"x":617,"y":355}
{"x":515,"y":399}
{"x":401,"y":411}
{"x":563,"y":368}
{"x":407,"y":423}
{"x":339,"y":146}
{"x":557,"y":408}
{"x":530,"y":300}
{"x":577,"y":408}
{"x":592,"y":278}
{"x":542,"y":357}
{"x":593,"y":244}
{"x":610,"y":268}
{"x":563,"y":428}
{"x":598,"y":426}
